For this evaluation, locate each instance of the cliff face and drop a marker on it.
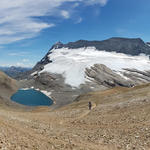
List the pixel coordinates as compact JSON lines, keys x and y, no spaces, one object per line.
{"x":131,"y":46}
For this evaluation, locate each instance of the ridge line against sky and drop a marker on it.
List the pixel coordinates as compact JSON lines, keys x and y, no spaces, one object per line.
{"x":28,"y":28}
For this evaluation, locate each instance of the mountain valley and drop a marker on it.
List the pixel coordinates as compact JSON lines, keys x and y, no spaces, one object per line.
{"x":72,"y":75}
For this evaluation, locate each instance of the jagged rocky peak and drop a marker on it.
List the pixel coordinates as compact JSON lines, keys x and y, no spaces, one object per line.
{"x":131,"y":46}
{"x":57,"y":45}
{"x":45,"y":60}
{"x":148,"y":43}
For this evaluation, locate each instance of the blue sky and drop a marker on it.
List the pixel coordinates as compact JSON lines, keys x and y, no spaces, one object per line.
{"x":28,"y":29}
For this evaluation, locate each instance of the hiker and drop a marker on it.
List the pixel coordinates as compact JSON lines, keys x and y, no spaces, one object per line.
{"x":90,"y":105}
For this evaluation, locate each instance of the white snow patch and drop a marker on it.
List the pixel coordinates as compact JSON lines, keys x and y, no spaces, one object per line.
{"x":121,"y":74}
{"x":92,"y":87}
{"x":24,"y":89}
{"x":42,"y":91}
{"x":148,"y":44}
{"x":34,"y":73}
{"x":71,"y":63}
{"x":46,"y":93}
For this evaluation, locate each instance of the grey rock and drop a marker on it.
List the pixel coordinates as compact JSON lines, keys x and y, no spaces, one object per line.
{"x":132,"y":46}
{"x":137,"y":76}
{"x":105,"y":76}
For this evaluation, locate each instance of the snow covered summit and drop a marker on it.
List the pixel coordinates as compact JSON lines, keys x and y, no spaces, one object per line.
{"x":71,"y":63}
{"x":70,"y":70}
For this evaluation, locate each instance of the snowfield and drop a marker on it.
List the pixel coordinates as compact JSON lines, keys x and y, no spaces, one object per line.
{"x":71,"y":63}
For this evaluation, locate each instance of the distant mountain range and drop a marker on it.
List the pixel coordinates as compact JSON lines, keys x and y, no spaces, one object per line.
{"x":13,"y":71}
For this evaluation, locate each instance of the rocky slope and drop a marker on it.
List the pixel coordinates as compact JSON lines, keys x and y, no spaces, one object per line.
{"x":119,"y":120}
{"x":7,"y":87}
{"x":113,"y":82}
{"x":126,"y":78}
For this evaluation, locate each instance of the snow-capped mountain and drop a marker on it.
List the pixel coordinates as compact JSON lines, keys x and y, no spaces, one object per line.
{"x":72,"y":63}
{"x":131,"y":46}
{"x":148,"y":43}
{"x":73,"y":59}
{"x":127,"y":46}
{"x":69,"y":70}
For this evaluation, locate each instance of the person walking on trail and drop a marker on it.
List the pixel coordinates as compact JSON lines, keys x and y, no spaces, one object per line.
{"x":90,"y":105}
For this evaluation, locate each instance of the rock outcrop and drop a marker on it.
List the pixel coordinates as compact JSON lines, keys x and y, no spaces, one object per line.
{"x":105,"y":76}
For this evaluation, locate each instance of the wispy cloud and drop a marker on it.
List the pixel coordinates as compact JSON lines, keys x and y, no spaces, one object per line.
{"x":121,"y":31}
{"x":25,"y":60}
{"x":18,"y":54}
{"x":91,"y":2}
{"x":79,"y":20}
{"x":65,"y":14}
{"x":19,"y":18}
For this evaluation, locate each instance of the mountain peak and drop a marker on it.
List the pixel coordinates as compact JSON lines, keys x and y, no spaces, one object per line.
{"x":126,"y":39}
{"x":57,"y":45}
{"x":131,"y":46}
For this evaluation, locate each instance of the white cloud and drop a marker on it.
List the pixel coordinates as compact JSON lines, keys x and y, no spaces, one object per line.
{"x":79,"y":20}
{"x":101,"y":2}
{"x":22,"y":64}
{"x":76,"y":5}
{"x":65,"y":14}
{"x":25,"y":60}
{"x":18,"y":64}
{"x":18,"y":54}
{"x":19,"y":19}
{"x":121,"y":31}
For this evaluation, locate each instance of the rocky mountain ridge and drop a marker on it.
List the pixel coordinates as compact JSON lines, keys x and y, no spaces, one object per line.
{"x":131,"y":46}
{"x":101,"y":74}
{"x":14,"y":71}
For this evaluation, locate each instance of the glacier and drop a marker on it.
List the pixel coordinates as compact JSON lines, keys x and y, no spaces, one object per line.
{"x":71,"y":63}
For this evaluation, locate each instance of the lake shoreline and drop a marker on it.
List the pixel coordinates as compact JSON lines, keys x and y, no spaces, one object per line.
{"x":32,"y":97}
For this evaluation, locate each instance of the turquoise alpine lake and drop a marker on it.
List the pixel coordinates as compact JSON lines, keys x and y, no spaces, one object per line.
{"x":31,"y":97}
